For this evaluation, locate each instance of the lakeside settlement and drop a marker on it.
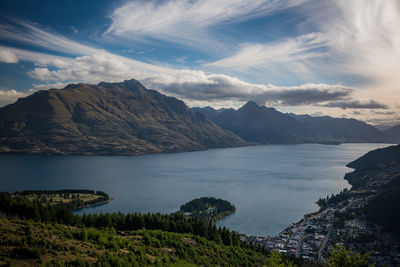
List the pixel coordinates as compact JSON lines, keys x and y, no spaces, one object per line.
{"x":341,"y":220}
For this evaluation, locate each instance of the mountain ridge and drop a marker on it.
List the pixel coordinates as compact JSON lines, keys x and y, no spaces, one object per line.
{"x":260,"y":124}
{"x":380,"y":155}
{"x":126,"y":118}
{"x":106,"y":119}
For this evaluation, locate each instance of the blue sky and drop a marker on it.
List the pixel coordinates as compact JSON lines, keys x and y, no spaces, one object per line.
{"x":331,"y":57}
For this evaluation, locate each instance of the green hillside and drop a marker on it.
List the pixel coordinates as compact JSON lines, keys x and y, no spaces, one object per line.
{"x":27,"y":243}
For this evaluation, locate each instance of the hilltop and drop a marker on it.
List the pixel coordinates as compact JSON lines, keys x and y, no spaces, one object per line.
{"x":106,"y":119}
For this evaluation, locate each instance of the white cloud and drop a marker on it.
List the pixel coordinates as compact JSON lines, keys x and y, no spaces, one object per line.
{"x":32,"y":34}
{"x":7,"y":56}
{"x":189,"y":84}
{"x":291,"y":54}
{"x":366,"y":34}
{"x":90,"y":68}
{"x":29,"y":33}
{"x":185,"y":84}
{"x":201,"y":86}
{"x":358,"y":37}
{"x":187,"y":22}
{"x":40,"y":59}
{"x":46,"y":86}
{"x":99,"y":65}
{"x":10,"y":96}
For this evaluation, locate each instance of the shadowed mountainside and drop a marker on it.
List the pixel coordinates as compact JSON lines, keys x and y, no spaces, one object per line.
{"x":260,"y":124}
{"x":108,"y":118}
{"x":381,"y":155}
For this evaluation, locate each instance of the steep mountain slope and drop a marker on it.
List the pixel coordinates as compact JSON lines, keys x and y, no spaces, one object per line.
{"x":259,"y":124}
{"x":108,"y":118}
{"x":381,"y":155}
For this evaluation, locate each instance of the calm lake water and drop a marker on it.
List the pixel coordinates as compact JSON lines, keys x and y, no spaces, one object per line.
{"x":271,"y":186}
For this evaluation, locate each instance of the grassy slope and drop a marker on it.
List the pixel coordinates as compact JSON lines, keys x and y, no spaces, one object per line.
{"x":27,"y":243}
{"x":53,"y":199}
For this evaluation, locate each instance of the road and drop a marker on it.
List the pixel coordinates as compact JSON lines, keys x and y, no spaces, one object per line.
{"x":323,"y":245}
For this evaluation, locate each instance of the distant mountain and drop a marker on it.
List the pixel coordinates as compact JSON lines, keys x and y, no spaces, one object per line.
{"x":259,"y":124}
{"x":381,"y":127}
{"x":393,"y":132}
{"x":381,"y":155}
{"x":342,"y":130}
{"x":266,"y":125}
{"x":108,"y":118}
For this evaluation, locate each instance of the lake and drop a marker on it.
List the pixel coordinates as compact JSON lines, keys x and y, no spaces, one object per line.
{"x":271,"y":186}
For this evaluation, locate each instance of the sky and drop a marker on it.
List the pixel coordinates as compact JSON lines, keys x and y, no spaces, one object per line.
{"x":336,"y":57}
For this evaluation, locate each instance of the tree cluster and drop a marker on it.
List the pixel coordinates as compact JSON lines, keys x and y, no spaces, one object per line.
{"x":23,"y":208}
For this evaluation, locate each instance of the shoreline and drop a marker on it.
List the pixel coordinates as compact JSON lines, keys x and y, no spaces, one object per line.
{"x":86,"y":154}
{"x":341,"y":219}
{"x":94,"y":204}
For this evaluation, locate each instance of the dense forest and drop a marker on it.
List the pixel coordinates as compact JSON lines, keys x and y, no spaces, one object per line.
{"x":23,"y":208}
{"x":208,"y":208}
{"x":30,"y":243}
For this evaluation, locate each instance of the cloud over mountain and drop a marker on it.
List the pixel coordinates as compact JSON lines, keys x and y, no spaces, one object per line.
{"x":372,"y":104}
{"x":302,"y":56}
{"x":198,"y":85}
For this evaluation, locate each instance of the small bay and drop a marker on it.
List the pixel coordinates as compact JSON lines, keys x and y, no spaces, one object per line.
{"x":270,"y":185}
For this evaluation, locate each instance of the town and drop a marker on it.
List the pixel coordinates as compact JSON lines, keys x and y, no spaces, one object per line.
{"x":341,"y":220}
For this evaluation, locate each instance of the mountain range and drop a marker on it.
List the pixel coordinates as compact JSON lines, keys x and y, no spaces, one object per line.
{"x":128,"y":119}
{"x":108,"y":118}
{"x":260,"y":124}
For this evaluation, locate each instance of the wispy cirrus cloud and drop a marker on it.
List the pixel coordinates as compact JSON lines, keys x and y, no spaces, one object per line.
{"x":29,"y":33}
{"x":366,"y":35}
{"x":360,"y":38}
{"x":91,"y":65}
{"x":13,"y":55}
{"x":187,"y":22}
{"x":290,"y":55}
{"x":97,"y":65}
{"x":7,"y":56}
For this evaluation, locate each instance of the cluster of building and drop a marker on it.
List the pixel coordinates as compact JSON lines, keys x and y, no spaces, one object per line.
{"x":339,"y":223}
